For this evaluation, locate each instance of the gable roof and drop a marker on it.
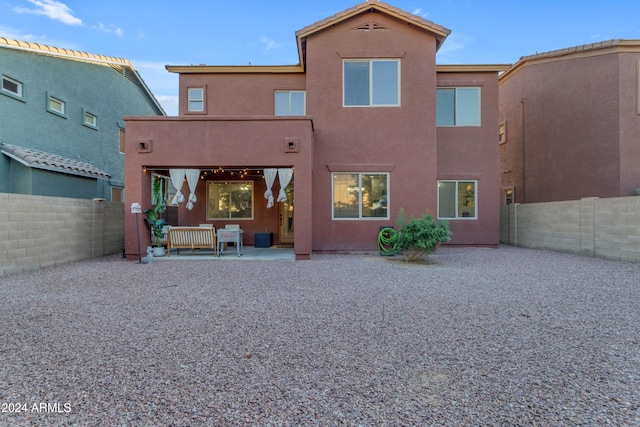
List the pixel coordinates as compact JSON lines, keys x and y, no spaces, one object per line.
{"x":120,"y":65}
{"x":439,"y":31}
{"x":41,"y":160}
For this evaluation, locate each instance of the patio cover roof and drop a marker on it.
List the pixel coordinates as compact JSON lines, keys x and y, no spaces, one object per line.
{"x":53,"y":162}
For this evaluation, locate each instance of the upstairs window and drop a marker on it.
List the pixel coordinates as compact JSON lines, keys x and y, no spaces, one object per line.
{"x":290,"y":103}
{"x":11,"y":87}
{"x":90,"y":120}
{"x":457,"y":199}
{"x":458,"y":106}
{"x":56,"y":106}
{"x":371,"y":83}
{"x":196,"y":99}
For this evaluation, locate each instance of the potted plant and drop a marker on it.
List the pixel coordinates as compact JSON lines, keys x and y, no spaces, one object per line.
{"x":420,"y":236}
{"x":157,"y":225}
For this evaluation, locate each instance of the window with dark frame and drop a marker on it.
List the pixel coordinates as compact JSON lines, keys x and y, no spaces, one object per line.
{"x":12,"y":86}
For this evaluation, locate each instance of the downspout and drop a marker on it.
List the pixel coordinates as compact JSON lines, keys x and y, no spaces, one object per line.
{"x":524,"y":153}
{"x":515,"y":224}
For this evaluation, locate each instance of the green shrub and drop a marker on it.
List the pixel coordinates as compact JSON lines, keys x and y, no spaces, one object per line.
{"x":420,"y":236}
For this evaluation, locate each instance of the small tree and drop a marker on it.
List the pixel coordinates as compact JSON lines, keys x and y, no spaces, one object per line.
{"x":157,"y":223}
{"x":420,"y":236}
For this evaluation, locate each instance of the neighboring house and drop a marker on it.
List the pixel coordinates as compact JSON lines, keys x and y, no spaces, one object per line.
{"x":62,"y":128}
{"x":570,"y":124}
{"x":364,"y":125}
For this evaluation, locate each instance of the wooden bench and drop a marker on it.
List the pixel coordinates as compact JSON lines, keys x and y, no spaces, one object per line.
{"x":191,"y":238}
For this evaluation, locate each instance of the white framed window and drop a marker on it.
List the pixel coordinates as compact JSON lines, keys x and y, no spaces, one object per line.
{"x":230,"y":200}
{"x":56,"y":106}
{"x":458,"y":106}
{"x":290,"y":102}
{"x":90,"y":120}
{"x":371,"y":83}
{"x":11,"y":87}
{"x":360,"y":195}
{"x":195,"y":96}
{"x":457,"y":199}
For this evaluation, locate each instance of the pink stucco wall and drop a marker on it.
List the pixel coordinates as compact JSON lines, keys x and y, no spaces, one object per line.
{"x":238,"y":129}
{"x":208,"y":143}
{"x":400,"y":140}
{"x":572,"y":125}
{"x":471,"y":153}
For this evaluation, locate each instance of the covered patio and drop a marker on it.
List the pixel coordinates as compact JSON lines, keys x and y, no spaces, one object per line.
{"x":240,"y":172}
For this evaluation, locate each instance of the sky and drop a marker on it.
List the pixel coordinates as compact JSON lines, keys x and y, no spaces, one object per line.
{"x":152,"y":34}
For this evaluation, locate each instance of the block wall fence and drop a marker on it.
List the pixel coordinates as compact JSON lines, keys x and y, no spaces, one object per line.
{"x":40,"y":231}
{"x":602,"y":228}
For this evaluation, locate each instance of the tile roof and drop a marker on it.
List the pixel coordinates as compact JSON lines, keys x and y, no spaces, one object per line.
{"x":583,"y":48}
{"x":121,"y":65}
{"x":53,"y":162}
{"x":591,"y":49}
{"x":58,"y":51}
{"x":377,"y":5}
{"x":440,"y":32}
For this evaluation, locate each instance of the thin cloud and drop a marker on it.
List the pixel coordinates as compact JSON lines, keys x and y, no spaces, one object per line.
{"x":453,"y":48}
{"x":51,"y":9}
{"x":11,"y":33}
{"x":269,"y":43}
{"x":420,"y":13}
{"x":112,"y":29}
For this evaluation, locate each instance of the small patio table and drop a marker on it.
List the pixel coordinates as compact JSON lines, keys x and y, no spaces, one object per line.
{"x":230,"y":235}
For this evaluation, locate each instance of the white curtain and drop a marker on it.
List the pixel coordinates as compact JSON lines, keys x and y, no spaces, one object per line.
{"x":193,"y":175}
{"x":284,"y":175}
{"x":177,"y":177}
{"x":269,"y":177}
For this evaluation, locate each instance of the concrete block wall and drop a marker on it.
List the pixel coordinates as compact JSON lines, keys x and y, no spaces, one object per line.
{"x":40,"y":231}
{"x":604,"y":228}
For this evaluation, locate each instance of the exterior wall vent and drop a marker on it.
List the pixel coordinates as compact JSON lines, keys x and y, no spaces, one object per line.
{"x":291,"y":145}
{"x":144,"y":146}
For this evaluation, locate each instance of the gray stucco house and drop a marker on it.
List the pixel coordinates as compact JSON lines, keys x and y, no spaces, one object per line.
{"x":61,"y":126}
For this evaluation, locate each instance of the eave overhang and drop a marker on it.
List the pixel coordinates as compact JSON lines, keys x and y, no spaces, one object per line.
{"x":118,"y":64}
{"x":439,"y":31}
{"x":37,"y":159}
{"x":473,"y":68}
{"x":582,"y":51}
{"x":235,"y":69}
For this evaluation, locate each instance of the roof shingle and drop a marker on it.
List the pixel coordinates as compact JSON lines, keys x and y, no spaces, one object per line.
{"x":53,"y":162}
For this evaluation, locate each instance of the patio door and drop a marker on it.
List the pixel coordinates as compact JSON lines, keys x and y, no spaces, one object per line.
{"x":286,"y":217}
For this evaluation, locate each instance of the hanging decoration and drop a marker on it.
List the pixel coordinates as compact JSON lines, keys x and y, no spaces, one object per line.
{"x":269,"y":177}
{"x":284,"y":176}
{"x":177,"y":177}
{"x":192,"y":176}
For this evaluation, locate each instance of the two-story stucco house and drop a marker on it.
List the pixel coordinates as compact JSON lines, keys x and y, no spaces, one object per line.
{"x":364,"y":125}
{"x":570,"y":123}
{"x":62,"y":131}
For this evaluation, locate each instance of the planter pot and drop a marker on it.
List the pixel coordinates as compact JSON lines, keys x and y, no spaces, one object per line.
{"x":159,"y":251}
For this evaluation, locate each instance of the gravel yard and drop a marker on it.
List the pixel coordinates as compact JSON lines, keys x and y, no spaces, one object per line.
{"x":485,"y":337}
